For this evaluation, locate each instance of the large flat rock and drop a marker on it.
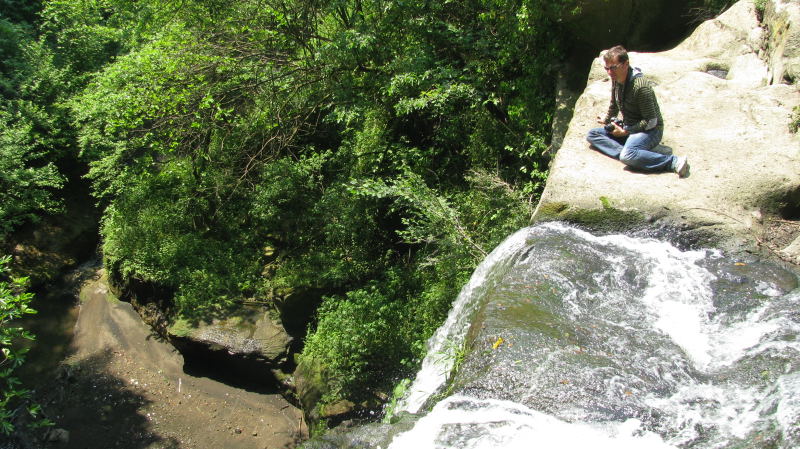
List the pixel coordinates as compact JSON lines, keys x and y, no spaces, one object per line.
{"x":745,"y":161}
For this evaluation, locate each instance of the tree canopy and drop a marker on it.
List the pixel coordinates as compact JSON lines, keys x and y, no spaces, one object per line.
{"x":370,"y":152}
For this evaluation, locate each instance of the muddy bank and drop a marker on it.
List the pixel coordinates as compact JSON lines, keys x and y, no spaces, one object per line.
{"x":123,"y":387}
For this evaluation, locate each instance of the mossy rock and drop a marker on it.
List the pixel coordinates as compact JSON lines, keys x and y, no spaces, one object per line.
{"x":311,"y":386}
{"x":246,"y":331}
{"x":604,"y":219}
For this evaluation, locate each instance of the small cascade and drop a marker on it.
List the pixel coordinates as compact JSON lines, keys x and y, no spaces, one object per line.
{"x":445,"y":343}
{"x":464,"y":422}
{"x":576,"y":340}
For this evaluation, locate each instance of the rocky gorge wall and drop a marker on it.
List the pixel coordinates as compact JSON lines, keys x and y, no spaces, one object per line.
{"x":727,"y":94}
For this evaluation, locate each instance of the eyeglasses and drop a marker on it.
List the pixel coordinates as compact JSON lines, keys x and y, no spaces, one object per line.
{"x":613,"y":67}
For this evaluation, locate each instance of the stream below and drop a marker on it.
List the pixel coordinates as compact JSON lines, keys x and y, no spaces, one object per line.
{"x":108,"y":381}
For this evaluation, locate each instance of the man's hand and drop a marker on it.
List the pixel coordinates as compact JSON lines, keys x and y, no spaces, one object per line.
{"x":618,"y":131}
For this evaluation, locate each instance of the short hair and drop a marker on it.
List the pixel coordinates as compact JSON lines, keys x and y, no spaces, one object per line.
{"x":618,"y":52}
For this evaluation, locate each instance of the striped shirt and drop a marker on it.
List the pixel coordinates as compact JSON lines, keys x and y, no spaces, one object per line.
{"x":640,"y":111}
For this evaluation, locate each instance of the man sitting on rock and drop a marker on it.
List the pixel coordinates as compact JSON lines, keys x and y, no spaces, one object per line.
{"x":631,"y":139}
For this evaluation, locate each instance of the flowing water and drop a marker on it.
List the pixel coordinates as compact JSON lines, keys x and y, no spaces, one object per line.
{"x":565,"y":339}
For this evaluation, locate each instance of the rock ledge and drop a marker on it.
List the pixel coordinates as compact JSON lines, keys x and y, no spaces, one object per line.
{"x":719,"y":110}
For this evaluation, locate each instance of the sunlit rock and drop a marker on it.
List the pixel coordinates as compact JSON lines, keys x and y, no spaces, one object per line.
{"x":244,"y":333}
{"x":721,"y":111}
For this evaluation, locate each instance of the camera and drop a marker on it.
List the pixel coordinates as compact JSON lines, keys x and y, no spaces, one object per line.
{"x":610,"y":126}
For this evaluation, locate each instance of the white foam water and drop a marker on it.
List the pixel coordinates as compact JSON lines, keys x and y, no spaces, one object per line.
{"x":677,"y":302}
{"x":468,"y":423}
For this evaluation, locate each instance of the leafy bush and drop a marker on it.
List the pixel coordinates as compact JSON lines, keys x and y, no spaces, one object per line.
{"x":14,"y":400}
{"x":30,"y":130}
{"x":365,"y":340}
{"x":162,"y":230}
{"x":26,"y":186}
{"x":367,"y":152}
{"x":357,"y":340}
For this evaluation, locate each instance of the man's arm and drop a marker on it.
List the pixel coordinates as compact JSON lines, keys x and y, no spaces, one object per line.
{"x":613,"y":107}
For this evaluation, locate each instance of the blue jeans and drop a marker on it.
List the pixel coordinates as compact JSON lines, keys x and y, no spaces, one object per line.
{"x":634,"y":149}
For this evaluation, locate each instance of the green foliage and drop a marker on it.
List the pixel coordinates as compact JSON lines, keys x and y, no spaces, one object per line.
{"x":25,"y":186}
{"x":370,"y":151}
{"x":379,"y":150}
{"x":29,"y":177}
{"x":365,"y":339}
{"x":180,"y":239}
{"x":430,"y":217}
{"x":458,"y":227}
{"x":37,"y":141}
{"x":760,"y":5}
{"x":181,"y":328}
{"x":794,"y":124}
{"x":357,"y":340}
{"x":41,"y":68}
{"x":454,"y":355}
{"x":12,"y":38}
{"x":14,"y":399}
{"x":397,"y":394}
{"x":20,"y":11}
{"x":87,"y":33}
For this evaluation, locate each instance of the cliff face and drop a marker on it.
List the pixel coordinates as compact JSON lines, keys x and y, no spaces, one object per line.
{"x":725,"y":110}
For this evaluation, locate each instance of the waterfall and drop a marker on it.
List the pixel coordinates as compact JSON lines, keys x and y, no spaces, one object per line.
{"x":576,"y":340}
{"x":444,"y":344}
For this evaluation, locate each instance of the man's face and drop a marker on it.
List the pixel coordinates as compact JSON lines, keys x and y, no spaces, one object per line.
{"x":616,"y":70}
